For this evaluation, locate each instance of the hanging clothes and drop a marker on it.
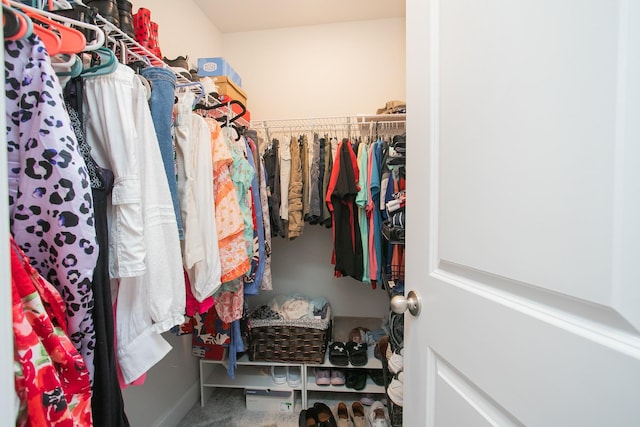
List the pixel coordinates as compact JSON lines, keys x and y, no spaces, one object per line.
{"x":50,"y":201}
{"x":201,"y":253}
{"x":267,"y":282}
{"x":274,"y":191}
{"x":295,"y":191}
{"x":362,"y":200}
{"x":52,"y":379}
{"x":234,"y":258}
{"x":373,"y":212}
{"x":341,"y":195}
{"x":107,"y":404}
{"x":145,"y":249}
{"x":253,"y":281}
{"x":315,"y":182}
{"x":285,"y":179}
{"x":242,"y":175}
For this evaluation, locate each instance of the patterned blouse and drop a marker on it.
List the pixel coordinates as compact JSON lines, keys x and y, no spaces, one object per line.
{"x":233,"y":249}
{"x":50,"y":201}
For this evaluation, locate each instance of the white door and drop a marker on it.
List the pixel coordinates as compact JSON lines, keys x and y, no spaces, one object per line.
{"x":524,"y":213}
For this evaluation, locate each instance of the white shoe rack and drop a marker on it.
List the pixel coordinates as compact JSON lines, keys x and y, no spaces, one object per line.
{"x":257,"y":375}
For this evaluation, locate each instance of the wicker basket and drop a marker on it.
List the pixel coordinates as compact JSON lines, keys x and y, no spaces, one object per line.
{"x":300,"y":341}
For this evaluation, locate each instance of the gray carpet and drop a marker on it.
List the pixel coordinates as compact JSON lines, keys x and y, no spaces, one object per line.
{"x":226,"y":407}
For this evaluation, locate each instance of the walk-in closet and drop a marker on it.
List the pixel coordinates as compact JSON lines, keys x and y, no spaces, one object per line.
{"x":206,"y":217}
{"x":311,"y":78}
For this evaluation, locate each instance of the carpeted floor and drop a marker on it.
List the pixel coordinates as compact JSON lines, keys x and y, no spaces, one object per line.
{"x":226,"y":408}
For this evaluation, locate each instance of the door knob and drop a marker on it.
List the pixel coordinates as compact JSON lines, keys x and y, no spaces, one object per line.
{"x":400,"y":303}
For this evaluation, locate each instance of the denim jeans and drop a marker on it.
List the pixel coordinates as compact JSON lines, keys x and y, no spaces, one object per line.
{"x":163,"y":84}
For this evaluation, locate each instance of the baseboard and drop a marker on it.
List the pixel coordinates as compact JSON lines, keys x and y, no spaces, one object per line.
{"x":175,"y":413}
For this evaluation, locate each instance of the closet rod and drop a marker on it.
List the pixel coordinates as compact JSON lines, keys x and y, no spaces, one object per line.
{"x":346,"y":121}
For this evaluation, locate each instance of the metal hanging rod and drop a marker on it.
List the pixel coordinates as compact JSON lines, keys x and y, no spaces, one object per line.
{"x":337,"y":121}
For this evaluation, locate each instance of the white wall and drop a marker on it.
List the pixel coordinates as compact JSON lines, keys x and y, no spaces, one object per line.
{"x":170,"y":391}
{"x":303,"y":265}
{"x":320,"y":71}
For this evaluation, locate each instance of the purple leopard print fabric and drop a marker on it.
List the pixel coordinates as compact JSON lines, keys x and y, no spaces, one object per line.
{"x":50,"y":202}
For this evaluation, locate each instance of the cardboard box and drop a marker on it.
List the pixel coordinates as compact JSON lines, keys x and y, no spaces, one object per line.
{"x":270,"y":400}
{"x":229,"y":88}
{"x":218,"y":67}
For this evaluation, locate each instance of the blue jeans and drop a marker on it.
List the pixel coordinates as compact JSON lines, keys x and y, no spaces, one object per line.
{"x":163,"y":84}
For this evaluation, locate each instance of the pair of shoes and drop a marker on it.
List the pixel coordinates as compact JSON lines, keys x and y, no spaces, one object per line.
{"x":378,"y":415}
{"x":319,"y":415}
{"x":286,"y":374}
{"x":323,"y":376}
{"x":341,"y":354}
{"x":357,"y":353}
{"x":146,"y":31}
{"x":352,"y":416}
{"x":395,"y":389}
{"x":329,"y":376}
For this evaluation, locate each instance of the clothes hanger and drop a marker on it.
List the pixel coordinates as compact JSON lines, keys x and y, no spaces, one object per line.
{"x":190,"y":85}
{"x":65,"y":39}
{"x":90,"y":27}
{"x":107,"y":65}
{"x":74,"y":67}
{"x":59,"y":20}
{"x":11,"y":24}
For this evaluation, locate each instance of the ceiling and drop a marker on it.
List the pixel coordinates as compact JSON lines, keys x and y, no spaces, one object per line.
{"x":251,"y":15}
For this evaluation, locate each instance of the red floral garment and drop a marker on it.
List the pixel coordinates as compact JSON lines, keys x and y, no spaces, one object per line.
{"x":51,"y":380}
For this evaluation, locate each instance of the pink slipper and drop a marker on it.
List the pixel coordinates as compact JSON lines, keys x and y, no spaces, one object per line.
{"x":323,"y":376}
{"x":337,"y":377}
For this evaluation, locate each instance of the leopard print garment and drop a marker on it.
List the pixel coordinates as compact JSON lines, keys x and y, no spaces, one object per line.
{"x":50,"y":202}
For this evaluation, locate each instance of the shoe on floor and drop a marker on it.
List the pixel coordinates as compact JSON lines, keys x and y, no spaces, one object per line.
{"x":294,"y":376}
{"x":308,"y":418}
{"x":378,"y":415}
{"x":279,"y":374}
{"x":395,"y":389}
{"x":342,"y":413}
{"x":324,"y":414}
{"x":357,"y":414}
